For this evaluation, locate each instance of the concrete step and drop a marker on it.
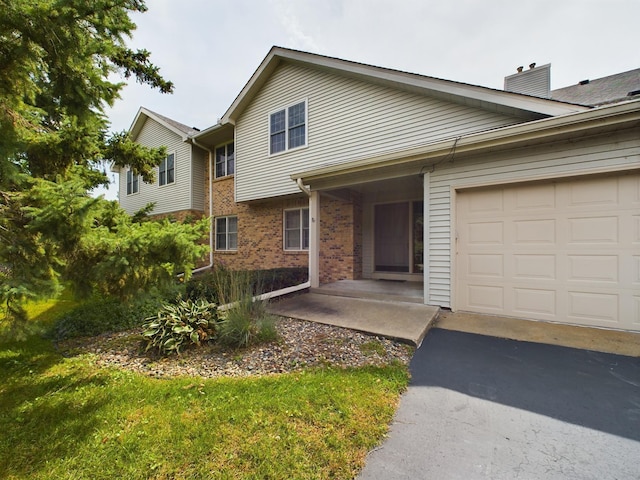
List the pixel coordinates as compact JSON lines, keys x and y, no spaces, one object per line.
{"x":339,"y":292}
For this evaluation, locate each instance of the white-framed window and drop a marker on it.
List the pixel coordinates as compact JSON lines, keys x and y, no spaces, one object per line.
{"x":133,"y":182}
{"x":225,"y":160}
{"x":227,"y":233}
{"x":296,"y":229}
{"x":167,"y":170}
{"x":288,"y":128}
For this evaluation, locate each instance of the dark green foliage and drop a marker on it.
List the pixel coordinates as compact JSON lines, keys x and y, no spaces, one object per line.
{"x":58,"y":62}
{"x":206,"y":285}
{"x":247,"y":323}
{"x":178,"y":326}
{"x":96,"y":316}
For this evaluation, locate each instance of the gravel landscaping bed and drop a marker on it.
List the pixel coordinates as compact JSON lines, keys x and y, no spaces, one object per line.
{"x":301,"y":344}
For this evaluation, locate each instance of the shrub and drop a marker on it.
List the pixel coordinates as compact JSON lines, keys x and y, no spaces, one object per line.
{"x":219,"y":282}
{"x":98,"y":315}
{"x":247,"y":323}
{"x":175,"y":326}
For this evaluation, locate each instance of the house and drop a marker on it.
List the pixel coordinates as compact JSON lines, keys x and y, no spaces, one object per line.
{"x":179,"y":189}
{"x":515,"y":203}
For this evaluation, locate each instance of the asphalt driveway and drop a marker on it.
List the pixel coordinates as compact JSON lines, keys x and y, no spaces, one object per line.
{"x":482,"y":407}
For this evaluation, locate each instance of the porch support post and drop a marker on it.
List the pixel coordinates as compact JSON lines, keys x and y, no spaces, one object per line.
{"x":314,"y":239}
{"x":425,"y":236}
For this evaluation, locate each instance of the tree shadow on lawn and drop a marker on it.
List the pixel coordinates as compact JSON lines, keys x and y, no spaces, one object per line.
{"x":44,"y":416}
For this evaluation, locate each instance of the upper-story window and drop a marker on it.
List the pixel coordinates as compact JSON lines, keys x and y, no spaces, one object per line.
{"x":288,"y":128}
{"x":225,"y":160}
{"x":167,"y":170}
{"x":133,"y":184}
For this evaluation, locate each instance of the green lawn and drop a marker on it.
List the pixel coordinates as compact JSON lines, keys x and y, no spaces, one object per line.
{"x":68,"y":418}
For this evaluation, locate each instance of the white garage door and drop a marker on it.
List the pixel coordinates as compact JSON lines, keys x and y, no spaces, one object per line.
{"x":567,"y":251}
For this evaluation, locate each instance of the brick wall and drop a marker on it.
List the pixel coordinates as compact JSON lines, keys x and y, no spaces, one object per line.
{"x":260,"y":232}
{"x":340,"y":237}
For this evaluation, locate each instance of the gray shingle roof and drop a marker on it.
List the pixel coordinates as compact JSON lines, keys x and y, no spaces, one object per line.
{"x":180,"y":126}
{"x":605,"y":90}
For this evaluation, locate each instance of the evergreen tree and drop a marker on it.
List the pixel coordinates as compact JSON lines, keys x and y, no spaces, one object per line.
{"x":58,"y":59}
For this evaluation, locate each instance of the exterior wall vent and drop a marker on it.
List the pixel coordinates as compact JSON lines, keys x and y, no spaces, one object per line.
{"x":536,"y":81}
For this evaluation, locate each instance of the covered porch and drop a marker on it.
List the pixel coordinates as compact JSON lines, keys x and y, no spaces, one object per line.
{"x":388,"y":290}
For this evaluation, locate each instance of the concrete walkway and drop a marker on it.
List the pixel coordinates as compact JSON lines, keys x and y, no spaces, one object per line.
{"x":408,"y":322}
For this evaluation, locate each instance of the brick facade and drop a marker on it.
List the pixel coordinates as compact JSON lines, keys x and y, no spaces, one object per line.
{"x":261,"y":231}
{"x":340,"y":237}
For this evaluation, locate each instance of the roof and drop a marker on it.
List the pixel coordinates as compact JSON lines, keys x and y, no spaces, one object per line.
{"x":526,"y":106}
{"x":601,"y":91}
{"x":179,"y":128}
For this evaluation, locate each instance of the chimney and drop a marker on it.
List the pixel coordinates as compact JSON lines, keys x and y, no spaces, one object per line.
{"x":536,"y":81}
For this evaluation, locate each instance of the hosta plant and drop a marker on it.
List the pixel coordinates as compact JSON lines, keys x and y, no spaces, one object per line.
{"x":177,"y":326}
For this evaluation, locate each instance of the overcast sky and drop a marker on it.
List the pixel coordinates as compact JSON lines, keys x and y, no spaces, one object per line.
{"x":210,"y":48}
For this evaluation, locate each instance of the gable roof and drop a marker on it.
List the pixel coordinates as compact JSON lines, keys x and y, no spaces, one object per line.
{"x":525,"y":106}
{"x":601,"y":91}
{"x":179,"y":128}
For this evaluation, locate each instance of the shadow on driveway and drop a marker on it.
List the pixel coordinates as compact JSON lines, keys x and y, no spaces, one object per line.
{"x":485,"y":407}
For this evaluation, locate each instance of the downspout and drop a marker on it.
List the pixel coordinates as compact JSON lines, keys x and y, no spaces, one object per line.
{"x":211,"y":234}
{"x":301,"y":186}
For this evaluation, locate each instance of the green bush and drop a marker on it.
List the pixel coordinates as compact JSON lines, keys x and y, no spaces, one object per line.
{"x":96,"y":316}
{"x":247,"y":323}
{"x":218,"y":283}
{"x":176,"y":326}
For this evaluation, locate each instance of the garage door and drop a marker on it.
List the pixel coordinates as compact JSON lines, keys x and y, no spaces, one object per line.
{"x":567,"y":251}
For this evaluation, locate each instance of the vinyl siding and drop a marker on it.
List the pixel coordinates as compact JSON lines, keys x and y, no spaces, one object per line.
{"x":168,"y":198}
{"x":347,"y":120}
{"x":199,"y":160}
{"x":596,"y":154}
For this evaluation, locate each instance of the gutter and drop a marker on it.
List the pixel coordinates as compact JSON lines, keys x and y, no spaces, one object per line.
{"x":211,"y":234}
{"x":505,"y":136}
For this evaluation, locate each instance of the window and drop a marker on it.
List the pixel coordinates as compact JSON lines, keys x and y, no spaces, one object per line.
{"x":167,"y":170}
{"x":225,"y":160}
{"x":132,"y":182}
{"x":288,"y":128}
{"x":227,"y":233}
{"x":296,"y":229}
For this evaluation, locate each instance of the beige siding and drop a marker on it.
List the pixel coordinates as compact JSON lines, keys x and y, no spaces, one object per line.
{"x":348,"y":119}
{"x":592,"y":155}
{"x":199,"y":160}
{"x":168,"y":198}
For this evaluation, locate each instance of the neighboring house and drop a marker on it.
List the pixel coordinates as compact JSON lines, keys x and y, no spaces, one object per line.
{"x":498,"y":202}
{"x":179,"y":188}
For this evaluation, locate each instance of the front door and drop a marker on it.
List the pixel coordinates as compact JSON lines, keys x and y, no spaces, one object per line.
{"x":398,"y":237}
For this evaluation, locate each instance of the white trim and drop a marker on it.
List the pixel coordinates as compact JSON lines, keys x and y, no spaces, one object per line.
{"x":314,"y":239}
{"x":175,"y":177}
{"x":215,"y":222}
{"x":426,"y":192}
{"x":284,"y":229}
{"x":286,"y":127}
{"x":126,"y":183}
{"x":226,"y":164}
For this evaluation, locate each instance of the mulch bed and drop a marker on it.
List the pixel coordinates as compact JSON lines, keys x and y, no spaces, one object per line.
{"x":301,"y":344}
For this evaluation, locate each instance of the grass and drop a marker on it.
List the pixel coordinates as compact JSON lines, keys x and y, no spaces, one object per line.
{"x":69,"y":418}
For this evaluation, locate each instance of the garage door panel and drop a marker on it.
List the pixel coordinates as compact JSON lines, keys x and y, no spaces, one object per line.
{"x":535,"y":197}
{"x":534,"y":266}
{"x":589,"y":230}
{"x":592,"y":307}
{"x":594,"y":192}
{"x":538,"y":302}
{"x":486,"y":265}
{"x":528,"y":232}
{"x":577,"y":262}
{"x":593,"y":268}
